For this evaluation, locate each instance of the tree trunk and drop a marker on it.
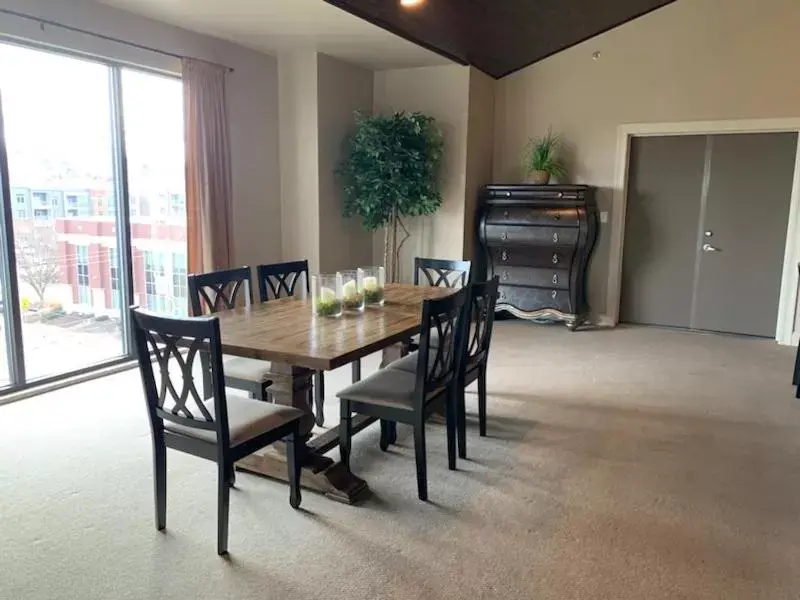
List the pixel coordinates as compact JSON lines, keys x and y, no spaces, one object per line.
{"x":395,"y":258}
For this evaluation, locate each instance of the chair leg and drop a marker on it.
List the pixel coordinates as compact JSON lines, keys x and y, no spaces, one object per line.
{"x":796,"y":374}
{"x":319,"y":398}
{"x":392,"y":432}
{"x":461,"y":414}
{"x":451,"y":425}
{"x":482,"y":400}
{"x":356,"y":367}
{"x":232,"y":477}
{"x":293,"y":450}
{"x":160,"y":478}
{"x":422,"y":466}
{"x":385,"y":435}
{"x":345,"y":431}
{"x":264,"y":395}
{"x":223,"y":507}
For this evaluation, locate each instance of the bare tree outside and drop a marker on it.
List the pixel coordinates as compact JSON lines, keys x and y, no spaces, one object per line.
{"x":37,"y":256}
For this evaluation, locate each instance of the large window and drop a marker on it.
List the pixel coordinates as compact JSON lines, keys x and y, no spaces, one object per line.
{"x":76,"y":247}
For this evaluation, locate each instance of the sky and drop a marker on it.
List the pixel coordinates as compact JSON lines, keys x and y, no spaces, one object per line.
{"x":57,"y":115}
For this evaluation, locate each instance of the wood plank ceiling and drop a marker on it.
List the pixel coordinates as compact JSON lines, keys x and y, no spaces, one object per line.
{"x":499,"y":36}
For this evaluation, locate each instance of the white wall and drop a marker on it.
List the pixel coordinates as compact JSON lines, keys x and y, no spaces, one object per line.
{"x":252,"y":95}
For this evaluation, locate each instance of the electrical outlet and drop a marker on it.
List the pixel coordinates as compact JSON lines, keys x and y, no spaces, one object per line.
{"x":604,"y":216}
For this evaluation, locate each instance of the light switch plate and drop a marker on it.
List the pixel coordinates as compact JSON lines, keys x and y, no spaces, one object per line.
{"x":604,"y":216}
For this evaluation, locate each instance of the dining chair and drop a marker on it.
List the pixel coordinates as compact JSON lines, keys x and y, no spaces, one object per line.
{"x":216,"y":428}
{"x":280,"y":280}
{"x":410,"y":390}
{"x":222,"y":290}
{"x":475,"y":354}
{"x":442,"y":273}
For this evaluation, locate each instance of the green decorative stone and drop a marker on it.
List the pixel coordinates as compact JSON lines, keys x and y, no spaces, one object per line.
{"x":354,"y":302}
{"x":328,"y":308}
{"x":374,"y":296}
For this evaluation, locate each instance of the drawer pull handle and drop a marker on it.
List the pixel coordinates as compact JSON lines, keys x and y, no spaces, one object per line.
{"x":502,"y":295}
{"x":505,"y":214}
{"x":555,"y":238}
{"x":555,"y":259}
{"x":556,"y":216}
{"x":505,"y":275}
{"x":555,"y":278}
{"x":504,"y":236}
{"x":554,"y":294}
{"x":504,"y":255}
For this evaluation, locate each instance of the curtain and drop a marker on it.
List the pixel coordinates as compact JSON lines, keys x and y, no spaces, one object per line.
{"x":209,"y":193}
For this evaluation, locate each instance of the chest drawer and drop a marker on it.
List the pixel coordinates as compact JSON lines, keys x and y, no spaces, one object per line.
{"x":515,"y":235}
{"x":503,"y":256}
{"x":555,"y":278}
{"x":533,"y":215}
{"x":531,"y":298}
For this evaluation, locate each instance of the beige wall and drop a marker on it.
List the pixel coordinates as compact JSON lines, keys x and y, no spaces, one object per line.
{"x":252,"y":95}
{"x":299,"y":167}
{"x":443,"y":93}
{"x":480,"y":151}
{"x":342,"y":90}
{"x":689,"y":61}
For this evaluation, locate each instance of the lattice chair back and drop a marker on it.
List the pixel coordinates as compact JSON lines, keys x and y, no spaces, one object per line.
{"x":281,"y":280}
{"x":442,"y":273}
{"x":438,"y":363}
{"x":483,"y":299}
{"x":220,"y":290}
{"x":167,"y":349}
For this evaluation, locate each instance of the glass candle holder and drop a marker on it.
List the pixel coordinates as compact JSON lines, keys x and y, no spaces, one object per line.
{"x":374,"y":281}
{"x":326,"y":295}
{"x":353,"y":290}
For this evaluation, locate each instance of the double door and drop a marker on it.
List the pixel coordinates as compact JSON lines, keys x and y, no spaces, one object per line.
{"x":705,"y":231}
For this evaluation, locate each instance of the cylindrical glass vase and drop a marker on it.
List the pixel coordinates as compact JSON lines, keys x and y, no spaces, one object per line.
{"x":353,"y":290}
{"x":326,"y":295}
{"x":374,"y":279}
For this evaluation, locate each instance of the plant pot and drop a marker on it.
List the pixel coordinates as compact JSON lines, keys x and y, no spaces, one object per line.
{"x":541,"y":177}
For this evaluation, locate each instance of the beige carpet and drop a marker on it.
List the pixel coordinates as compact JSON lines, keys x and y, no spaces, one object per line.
{"x":626,"y":464}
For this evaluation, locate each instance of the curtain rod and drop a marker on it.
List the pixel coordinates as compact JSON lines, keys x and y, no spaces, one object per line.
{"x":42,"y":22}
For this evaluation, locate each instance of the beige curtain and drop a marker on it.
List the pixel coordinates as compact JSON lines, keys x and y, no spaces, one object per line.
{"x":208,"y":167}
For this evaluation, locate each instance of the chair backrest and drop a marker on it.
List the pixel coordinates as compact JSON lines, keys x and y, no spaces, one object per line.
{"x":219,"y":290}
{"x":174,"y":344}
{"x":280,"y":280}
{"x":442,"y":273}
{"x":483,"y":298}
{"x":438,"y":364}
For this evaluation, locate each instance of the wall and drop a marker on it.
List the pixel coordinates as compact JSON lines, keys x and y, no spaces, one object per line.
{"x":342,"y":89}
{"x":441,"y":92}
{"x":299,"y":157}
{"x":252,"y":96}
{"x":689,"y":61}
{"x":480,"y":151}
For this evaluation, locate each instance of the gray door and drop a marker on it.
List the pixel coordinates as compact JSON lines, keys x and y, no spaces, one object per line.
{"x":658,"y":267}
{"x":705,"y":231}
{"x":743,"y":235}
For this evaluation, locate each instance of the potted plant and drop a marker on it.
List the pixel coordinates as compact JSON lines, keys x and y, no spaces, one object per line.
{"x":390,"y":171}
{"x":542,"y":160}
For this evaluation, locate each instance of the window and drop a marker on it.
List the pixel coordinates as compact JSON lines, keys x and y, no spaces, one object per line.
{"x":72,"y":200}
{"x":180,"y":286}
{"x":40,"y":198}
{"x":154,"y":281}
{"x":20,"y":198}
{"x":113,"y":276}
{"x":22,"y":214}
{"x":82,"y":279}
{"x":177,"y":205}
{"x":72,"y":212}
{"x":41,"y":214}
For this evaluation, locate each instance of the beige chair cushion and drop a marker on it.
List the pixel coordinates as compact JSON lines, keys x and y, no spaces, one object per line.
{"x":247,"y":418}
{"x":387,"y":387}
{"x":249,"y":369}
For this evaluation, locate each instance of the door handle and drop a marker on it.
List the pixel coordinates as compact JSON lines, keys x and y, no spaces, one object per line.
{"x":710,"y":248}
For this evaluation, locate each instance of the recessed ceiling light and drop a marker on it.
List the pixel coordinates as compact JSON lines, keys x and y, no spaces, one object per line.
{"x":411,"y":3}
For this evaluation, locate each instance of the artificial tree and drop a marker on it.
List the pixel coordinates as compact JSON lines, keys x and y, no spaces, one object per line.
{"x":390,"y":171}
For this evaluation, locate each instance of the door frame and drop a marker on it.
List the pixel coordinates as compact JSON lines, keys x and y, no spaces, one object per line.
{"x":789,"y":278}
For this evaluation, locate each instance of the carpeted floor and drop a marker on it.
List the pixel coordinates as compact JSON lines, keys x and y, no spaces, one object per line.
{"x":622,"y":464}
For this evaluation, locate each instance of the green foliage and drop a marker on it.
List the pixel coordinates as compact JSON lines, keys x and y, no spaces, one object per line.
{"x":391,"y":168}
{"x":541,"y":154}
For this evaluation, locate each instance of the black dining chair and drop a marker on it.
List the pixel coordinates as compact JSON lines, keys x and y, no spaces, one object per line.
{"x":280,"y":280}
{"x":475,"y":354}
{"x":442,"y":273}
{"x":409,"y":390}
{"x":217,"y":428}
{"x":223,"y":290}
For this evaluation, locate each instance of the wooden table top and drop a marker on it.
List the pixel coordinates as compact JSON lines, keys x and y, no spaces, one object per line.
{"x":287,"y":331}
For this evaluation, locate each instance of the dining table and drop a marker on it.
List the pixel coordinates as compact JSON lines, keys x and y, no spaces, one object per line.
{"x":296,"y":342}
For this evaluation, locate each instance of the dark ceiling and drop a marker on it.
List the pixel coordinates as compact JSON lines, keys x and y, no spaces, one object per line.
{"x":499,"y":36}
